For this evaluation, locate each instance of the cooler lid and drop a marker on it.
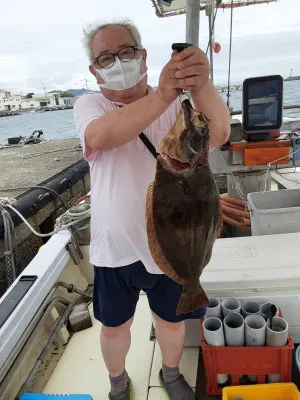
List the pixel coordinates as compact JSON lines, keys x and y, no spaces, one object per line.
{"x":254,"y":265}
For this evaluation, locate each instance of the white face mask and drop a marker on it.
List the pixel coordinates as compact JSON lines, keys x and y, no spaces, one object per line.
{"x":122,"y":75}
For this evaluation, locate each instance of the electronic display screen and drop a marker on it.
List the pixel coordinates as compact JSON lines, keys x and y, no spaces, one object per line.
{"x":262,"y":103}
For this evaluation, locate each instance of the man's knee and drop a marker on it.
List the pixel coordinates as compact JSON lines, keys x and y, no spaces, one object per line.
{"x":114,"y":332}
{"x":161,"y":323}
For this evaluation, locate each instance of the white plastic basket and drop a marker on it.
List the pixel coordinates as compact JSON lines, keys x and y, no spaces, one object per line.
{"x":274,"y":212}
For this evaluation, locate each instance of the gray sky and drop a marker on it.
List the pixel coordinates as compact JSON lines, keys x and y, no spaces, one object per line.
{"x":40,"y":42}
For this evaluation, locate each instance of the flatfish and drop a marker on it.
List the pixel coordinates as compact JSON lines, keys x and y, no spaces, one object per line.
{"x":183,"y":207}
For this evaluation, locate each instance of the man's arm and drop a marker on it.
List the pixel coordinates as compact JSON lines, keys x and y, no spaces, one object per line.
{"x":124,"y":124}
{"x":208,"y":101}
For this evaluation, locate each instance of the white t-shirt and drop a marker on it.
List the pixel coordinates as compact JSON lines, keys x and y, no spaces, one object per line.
{"x":119,"y":181}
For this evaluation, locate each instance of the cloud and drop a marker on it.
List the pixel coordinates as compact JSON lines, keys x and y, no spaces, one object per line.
{"x":41,"y":41}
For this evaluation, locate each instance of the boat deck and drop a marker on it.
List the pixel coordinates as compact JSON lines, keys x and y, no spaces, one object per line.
{"x":81,"y":368}
{"x":287,"y":178}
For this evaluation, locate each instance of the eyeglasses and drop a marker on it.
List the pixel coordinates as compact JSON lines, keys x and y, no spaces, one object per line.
{"x":126,"y":54}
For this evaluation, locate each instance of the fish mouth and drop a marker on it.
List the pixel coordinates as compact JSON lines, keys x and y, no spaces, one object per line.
{"x":184,"y":166}
{"x":175,"y":164}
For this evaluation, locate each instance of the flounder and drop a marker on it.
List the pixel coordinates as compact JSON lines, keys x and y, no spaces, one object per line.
{"x":183,"y":210}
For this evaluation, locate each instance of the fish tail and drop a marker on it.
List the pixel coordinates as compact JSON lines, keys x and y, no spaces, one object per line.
{"x":191,"y":299}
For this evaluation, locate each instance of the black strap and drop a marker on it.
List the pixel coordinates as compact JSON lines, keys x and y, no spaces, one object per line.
{"x":148,"y":144}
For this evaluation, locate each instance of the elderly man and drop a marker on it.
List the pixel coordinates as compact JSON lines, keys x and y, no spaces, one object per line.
{"x":122,"y":167}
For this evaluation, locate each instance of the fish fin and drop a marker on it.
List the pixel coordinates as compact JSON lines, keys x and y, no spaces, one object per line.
{"x":220,"y":222}
{"x":191,"y":300}
{"x":155,"y":249}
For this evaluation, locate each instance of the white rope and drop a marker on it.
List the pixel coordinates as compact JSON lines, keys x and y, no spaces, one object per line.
{"x":273,"y":162}
{"x":237,"y":186}
{"x":10,"y":242}
{"x":63,"y":222}
{"x":7,"y":201}
{"x":25,"y":156}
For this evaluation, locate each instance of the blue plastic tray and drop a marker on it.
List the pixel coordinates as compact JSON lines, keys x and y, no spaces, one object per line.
{"x":41,"y":396}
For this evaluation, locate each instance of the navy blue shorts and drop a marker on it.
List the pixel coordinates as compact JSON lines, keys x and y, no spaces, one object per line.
{"x":116,"y":293}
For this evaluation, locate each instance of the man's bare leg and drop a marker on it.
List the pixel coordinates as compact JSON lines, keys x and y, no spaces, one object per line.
{"x":115,"y":344}
{"x":170,"y":337}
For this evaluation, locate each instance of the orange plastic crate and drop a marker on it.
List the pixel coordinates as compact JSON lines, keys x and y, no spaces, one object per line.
{"x":236,"y":361}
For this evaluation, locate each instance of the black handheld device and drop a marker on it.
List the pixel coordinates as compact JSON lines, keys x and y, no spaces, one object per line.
{"x":180,"y":46}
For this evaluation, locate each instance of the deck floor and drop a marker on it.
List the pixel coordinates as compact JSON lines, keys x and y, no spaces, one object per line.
{"x":81,"y":369}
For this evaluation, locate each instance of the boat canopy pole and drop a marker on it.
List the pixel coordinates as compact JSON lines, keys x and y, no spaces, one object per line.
{"x":192,"y":21}
{"x":210,"y":13}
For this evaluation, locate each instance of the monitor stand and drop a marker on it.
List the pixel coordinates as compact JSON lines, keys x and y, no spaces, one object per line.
{"x":257,"y":137}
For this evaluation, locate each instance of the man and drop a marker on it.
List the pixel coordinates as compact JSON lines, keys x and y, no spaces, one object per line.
{"x":121,"y":166}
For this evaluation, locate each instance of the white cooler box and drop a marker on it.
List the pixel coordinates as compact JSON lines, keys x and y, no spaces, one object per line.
{"x":264,"y":268}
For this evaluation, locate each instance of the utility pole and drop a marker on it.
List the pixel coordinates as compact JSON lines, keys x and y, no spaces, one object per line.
{"x":45,"y":92}
{"x":86,"y":83}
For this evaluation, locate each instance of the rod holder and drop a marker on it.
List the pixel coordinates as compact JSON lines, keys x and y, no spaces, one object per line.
{"x":234,"y":329}
{"x":255,"y":330}
{"x":230,"y":305}
{"x":250,"y":308}
{"x":213,"y":309}
{"x":214,"y":336}
{"x":277,"y":336}
{"x":265,"y":307}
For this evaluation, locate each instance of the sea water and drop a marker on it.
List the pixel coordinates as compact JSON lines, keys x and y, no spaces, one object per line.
{"x":60,"y":124}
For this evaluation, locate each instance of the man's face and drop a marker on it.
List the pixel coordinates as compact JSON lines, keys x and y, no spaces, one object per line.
{"x":112,"y":40}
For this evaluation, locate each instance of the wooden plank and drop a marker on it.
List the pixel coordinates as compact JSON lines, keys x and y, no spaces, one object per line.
{"x":262,"y":144}
{"x":265,"y":155}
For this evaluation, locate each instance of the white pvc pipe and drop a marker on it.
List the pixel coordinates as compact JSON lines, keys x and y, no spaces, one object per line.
{"x":213,"y":309}
{"x":277,"y":336}
{"x":255,"y":330}
{"x":264,"y":307}
{"x":214,"y":336}
{"x":234,"y":329}
{"x":230,"y":305}
{"x":255,"y":335}
{"x":250,"y":308}
{"x":192,"y":21}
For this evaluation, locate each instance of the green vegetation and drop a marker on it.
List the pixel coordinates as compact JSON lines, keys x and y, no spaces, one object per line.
{"x":66,"y":94}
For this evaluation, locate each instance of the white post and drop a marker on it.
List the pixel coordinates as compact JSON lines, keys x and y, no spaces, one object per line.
{"x":192,"y":21}
{"x":210,"y":12}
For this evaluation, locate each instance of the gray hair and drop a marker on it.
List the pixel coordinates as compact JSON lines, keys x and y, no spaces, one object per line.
{"x":92,"y":29}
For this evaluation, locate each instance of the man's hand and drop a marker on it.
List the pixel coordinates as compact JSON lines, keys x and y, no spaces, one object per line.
{"x":168,"y":88}
{"x":191,"y":69}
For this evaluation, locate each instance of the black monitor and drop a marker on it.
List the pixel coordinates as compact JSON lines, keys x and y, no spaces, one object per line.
{"x":262,"y":104}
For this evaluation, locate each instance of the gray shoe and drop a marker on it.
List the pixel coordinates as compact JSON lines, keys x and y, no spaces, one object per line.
{"x":177,"y":389}
{"x":126,"y":395}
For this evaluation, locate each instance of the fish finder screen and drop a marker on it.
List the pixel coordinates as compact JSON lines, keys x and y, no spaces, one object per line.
{"x":263,"y":103}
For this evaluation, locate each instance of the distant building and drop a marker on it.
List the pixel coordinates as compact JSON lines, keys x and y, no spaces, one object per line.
{"x":9,"y":102}
{"x":68,"y":101}
{"x":33,"y":104}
